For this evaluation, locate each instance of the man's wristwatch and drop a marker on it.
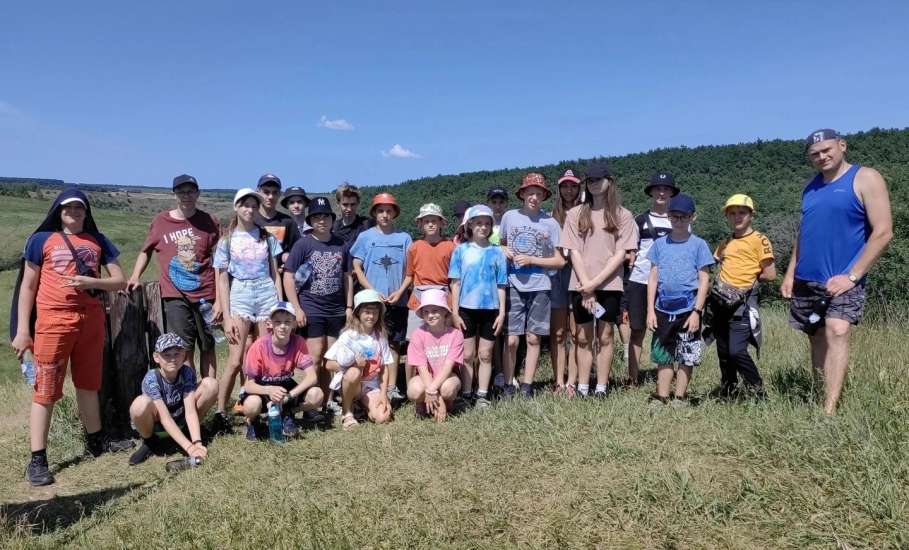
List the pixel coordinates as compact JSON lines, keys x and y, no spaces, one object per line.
{"x":852,"y":278}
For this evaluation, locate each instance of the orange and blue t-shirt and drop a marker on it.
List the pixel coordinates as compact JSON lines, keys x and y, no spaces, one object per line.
{"x":48,"y":251}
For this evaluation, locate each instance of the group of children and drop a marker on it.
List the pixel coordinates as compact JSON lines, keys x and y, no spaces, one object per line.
{"x":444,"y":304}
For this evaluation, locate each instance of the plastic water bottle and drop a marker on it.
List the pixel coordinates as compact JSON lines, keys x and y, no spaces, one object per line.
{"x":28,"y":367}
{"x":275,"y":430}
{"x":208,"y":317}
{"x":181,"y":464}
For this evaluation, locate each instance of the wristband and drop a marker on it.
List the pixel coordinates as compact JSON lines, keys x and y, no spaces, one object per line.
{"x":432,"y":392}
{"x":699,"y":311}
{"x":197,"y":442}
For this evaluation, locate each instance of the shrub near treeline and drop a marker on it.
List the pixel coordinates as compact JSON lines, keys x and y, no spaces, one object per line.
{"x":772,"y":172}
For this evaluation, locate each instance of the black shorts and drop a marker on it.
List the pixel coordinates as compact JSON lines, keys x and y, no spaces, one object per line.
{"x":609,"y":299}
{"x":184,"y":319}
{"x":479,"y":322}
{"x":318,"y":326}
{"x":635,"y":299}
{"x":396,"y":324}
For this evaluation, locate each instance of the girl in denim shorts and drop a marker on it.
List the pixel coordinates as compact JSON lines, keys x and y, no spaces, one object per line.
{"x":248,"y":284}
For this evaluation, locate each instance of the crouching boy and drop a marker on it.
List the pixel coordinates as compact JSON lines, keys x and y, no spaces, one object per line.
{"x":269,"y":368}
{"x":171,"y":403}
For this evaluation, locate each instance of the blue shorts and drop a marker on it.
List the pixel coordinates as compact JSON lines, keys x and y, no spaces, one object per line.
{"x":252,"y":299}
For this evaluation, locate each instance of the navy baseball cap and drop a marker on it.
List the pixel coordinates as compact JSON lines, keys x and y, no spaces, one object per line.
{"x":184,"y":178}
{"x":682,"y":203}
{"x":460,"y":208}
{"x":598,"y":170}
{"x":269,"y":178}
{"x":496,"y":192}
{"x":662,"y":178}
{"x":818,"y":136}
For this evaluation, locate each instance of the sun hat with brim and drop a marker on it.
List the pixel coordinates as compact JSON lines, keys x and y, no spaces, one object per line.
{"x":430,"y":209}
{"x":169,"y":340}
{"x":291,"y":192}
{"x":433,"y":297}
{"x":282,"y":306}
{"x":387,"y":199}
{"x":569,"y":177}
{"x":368,"y":296}
{"x":72,"y":200}
{"x":320,"y":205}
{"x":739,"y":199}
{"x":533,"y":179}
{"x":246,"y":192}
{"x":662,"y":178}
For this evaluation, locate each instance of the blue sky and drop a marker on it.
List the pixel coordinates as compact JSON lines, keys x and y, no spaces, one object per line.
{"x":135,"y":93}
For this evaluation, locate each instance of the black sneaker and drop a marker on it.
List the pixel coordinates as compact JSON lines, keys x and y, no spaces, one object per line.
{"x":38,"y":473}
{"x":94,"y":445}
{"x":526,"y":390}
{"x":118,"y":445}
{"x":220,"y":423}
{"x":143,"y":453}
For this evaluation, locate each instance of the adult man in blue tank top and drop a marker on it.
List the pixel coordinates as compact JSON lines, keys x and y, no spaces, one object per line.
{"x":844,"y":228}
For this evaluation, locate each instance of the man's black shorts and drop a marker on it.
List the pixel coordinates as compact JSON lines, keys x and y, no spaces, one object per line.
{"x":635,"y":298}
{"x":184,"y":319}
{"x":396,"y":324}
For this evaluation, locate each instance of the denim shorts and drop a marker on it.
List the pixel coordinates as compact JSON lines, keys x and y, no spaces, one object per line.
{"x":252,"y":299}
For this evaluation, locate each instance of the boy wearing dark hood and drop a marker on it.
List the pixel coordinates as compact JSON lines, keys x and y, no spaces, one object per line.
{"x":61,"y":280}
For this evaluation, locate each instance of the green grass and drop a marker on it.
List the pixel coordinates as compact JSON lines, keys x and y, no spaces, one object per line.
{"x":540,"y":473}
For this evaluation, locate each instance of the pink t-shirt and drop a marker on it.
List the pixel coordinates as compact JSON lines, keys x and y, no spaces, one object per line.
{"x":432,"y":351}
{"x":597,"y":246}
{"x":268,"y":368}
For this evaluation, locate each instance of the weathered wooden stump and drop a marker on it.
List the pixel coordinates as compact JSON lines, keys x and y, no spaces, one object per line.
{"x":134,"y":321}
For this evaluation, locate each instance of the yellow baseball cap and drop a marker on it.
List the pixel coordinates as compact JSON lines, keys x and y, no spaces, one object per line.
{"x":739,"y":199}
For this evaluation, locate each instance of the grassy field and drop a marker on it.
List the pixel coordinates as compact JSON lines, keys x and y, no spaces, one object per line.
{"x":537,"y":473}
{"x":541,"y":473}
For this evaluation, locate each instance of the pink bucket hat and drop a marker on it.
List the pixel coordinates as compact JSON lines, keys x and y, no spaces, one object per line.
{"x":433,"y":297}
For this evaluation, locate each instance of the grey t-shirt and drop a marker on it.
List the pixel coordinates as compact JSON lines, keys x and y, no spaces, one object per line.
{"x":536,"y":236}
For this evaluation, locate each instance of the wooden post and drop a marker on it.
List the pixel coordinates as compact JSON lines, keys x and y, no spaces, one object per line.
{"x":134,"y":322}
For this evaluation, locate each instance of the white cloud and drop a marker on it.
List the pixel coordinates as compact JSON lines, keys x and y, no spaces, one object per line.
{"x":399,"y":152}
{"x":7,"y":109}
{"x":336,"y":124}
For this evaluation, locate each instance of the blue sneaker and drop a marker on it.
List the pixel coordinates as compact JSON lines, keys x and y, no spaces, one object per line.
{"x":289,"y":427}
{"x":251,"y":432}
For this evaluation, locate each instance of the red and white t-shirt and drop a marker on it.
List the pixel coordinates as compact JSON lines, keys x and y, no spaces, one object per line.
{"x":267,"y":367}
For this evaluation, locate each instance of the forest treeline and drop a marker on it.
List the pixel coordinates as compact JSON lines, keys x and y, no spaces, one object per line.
{"x":772,"y":172}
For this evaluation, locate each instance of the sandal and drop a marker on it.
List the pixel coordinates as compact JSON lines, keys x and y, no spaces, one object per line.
{"x":348,"y":422}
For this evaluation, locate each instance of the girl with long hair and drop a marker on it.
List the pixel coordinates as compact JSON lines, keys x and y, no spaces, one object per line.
{"x":597,"y":234}
{"x":562,"y":327}
{"x":248,"y":286}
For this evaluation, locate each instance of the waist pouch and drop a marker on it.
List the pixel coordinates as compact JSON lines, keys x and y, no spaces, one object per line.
{"x":728,"y":296}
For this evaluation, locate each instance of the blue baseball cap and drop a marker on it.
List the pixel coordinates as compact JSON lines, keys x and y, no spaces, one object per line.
{"x":818,"y":136}
{"x":681,"y":203}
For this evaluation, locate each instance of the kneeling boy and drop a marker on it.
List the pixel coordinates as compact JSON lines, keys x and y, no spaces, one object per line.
{"x":269,"y":368}
{"x":171,"y":402}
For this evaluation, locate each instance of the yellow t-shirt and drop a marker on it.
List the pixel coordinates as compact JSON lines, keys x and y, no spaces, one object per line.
{"x":740,"y":258}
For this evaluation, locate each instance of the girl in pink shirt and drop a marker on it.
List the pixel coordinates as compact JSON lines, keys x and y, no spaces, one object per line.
{"x":436,"y":351}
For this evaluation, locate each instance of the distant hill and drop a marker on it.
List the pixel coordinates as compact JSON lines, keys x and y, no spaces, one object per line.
{"x":772,"y":172}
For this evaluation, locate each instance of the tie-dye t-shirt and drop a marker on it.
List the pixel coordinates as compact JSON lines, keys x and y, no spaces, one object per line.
{"x":248,"y":255}
{"x":481,"y":271}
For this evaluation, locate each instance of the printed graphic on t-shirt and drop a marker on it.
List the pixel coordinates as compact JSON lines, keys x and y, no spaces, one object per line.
{"x":61,"y":257}
{"x":529,"y":241}
{"x":326,"y":272}
{"x":386,"y":262}
{"x":184,"y":268}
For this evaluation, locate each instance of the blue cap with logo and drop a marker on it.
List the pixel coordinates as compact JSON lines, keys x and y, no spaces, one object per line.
{"x":818,"y":136}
